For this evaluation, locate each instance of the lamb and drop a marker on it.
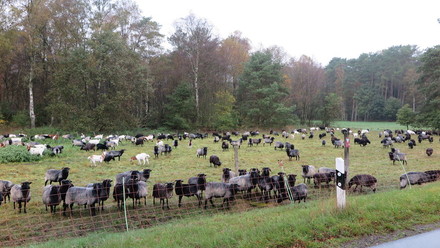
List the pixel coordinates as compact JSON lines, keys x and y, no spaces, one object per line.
{"x":414,"y":178}
{"x":213,"y":159}
{"x":227,"y":174}
{"x":308,"y":172}
{"x":5,"y":189}
{"x":54,"y":194}
{"x":163,"y":191}
{"x":187,"y":190}
{"x":83,"y":196}
{"x":21,"y":194}
{"x":429,"y":151}
{"x":202,"y":152}
{"x":144,"y":176}
{"x":292,"y":153}
{"x":216,"y":189}
{"x":142,"y":158}
{"x":96,"y":159}
{"x":246,"y":182}
{"x":53,"y":175}
{"x":363,"y":180}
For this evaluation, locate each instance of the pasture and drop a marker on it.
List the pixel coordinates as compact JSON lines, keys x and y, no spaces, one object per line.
{"x":38,"y":225}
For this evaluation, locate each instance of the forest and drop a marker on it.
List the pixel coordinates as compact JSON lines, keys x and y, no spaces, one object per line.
{"x":100,"y":65}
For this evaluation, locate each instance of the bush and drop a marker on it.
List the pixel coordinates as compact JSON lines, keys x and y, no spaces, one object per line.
{"x":13,"y":153}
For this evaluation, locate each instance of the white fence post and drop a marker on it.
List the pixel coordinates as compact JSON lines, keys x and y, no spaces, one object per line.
{"x":340,"y":183}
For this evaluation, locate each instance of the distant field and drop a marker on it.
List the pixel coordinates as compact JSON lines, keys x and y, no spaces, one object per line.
{"x":371,"y":125}
{"x":38,"y":225}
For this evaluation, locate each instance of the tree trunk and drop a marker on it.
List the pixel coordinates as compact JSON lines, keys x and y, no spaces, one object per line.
{"x":31,"y":95}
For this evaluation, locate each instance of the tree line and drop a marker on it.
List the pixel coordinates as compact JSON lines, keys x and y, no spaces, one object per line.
{"x":100,"y":65}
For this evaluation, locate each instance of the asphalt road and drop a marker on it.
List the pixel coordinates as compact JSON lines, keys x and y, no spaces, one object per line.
{"x":425,"y":240}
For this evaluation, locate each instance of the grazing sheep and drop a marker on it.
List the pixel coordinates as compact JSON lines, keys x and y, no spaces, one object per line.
{"x":429,"y":151}
{"x":142,"y":176}
{"x":142,"y":158}
{"x":323,"y":142}
{"x":213,"y":159}
{"x":54,"y":194}
{"x":77,"y":143}
{"x":338,"y":143}
{"x":111,"y":155}
{"x":268,"y":140}
{"x":292,"y":153}
{"x":434,"y":175}
{"x":414,"y":178}
{"x":5,"y":189}
{"x":216,"y":189}
{"x":102,"y":147}
{"x":163,"y":191}
{"x":21,"y":193}
{"x":279,"y":145}
{"x":236,"y":142}
{"x":326,"y":170}
{"x":53,"y":175}
{"x":156,"y":151}
{"x":202,"y":152}
{"x":89,"y":146}
{"x":299,"y":192}
{"x":227,"y":174}
{"x":88,"y":196}
{"x":411,"y":144}
{"x":396,"y":155}
{"x":37,"y":150}
{"x":363,"y":180}
{"x":187,"y":190}
{"x":96,"y":159}
{"x":307,"y":172}
{"x":176,"y":143}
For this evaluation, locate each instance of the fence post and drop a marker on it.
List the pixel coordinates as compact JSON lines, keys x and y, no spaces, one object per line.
{"x":236,"y":159}
{"x":340,"y":183}
{"x":125,"y":205}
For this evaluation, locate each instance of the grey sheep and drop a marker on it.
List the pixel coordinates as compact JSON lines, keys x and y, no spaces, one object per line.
{"x":54,"y":175}
{"x":279,"y":145}
{"x":299,"y":192}
{"x":104,"y":194}
{"x":326,"y":170}
{"x":363,"y":180}
{"x":5,"y":189}
{"x":54,"y":194}
{"x":199,"y":180}
{"x":83,"y":196}
{"x":414,"y":178}
{"x":226,"y":191}
{"x":21,"y":194}
{"x":246,"y":182}
{"x":307,"y":172}
{"x":202,"y":152}
{"x":142,"y":176}
{"x":163,"y":191}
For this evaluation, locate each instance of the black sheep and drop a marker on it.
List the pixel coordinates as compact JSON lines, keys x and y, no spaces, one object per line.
{"x":214,"y":160}
{"x":187,"y":190}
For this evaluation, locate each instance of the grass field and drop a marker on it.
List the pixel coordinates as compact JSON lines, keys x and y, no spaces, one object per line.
{"x":373,"y":159}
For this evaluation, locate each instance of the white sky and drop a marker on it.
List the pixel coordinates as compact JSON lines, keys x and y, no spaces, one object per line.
{"x":320,"y":29}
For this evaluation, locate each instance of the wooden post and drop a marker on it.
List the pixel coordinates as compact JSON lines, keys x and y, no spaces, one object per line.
{"x":236,"y":159}
{"x":340,"y":183}
{"x":346,"y":154}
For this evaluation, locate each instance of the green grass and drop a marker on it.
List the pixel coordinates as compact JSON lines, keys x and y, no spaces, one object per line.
{"x":38,"y":225}
{"x":371,"y":125}
{"x":314,"y":224}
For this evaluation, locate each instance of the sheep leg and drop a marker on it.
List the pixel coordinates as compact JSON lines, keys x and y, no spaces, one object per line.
{"x":168,"y":207}
{"x":92,"y":209}
{"x":206,"y":203}
{"x":180,"y":200}
{"x":14,"y":205}
{"x":45,"y":183}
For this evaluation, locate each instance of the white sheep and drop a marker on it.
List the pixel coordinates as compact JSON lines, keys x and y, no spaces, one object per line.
{"x":94,"y":141}
{"x":37,"y":150}
{"x":96,"y":158}
{"x":142,"y":158}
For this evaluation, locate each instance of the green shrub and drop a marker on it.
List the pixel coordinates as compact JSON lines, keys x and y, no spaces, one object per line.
{"x":12,"y":154}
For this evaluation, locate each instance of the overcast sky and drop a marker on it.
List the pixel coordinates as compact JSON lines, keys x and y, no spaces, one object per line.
{"x":320,"y":29}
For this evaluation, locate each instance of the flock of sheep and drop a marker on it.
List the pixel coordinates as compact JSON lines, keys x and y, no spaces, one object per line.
{"x":133,"y":184}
